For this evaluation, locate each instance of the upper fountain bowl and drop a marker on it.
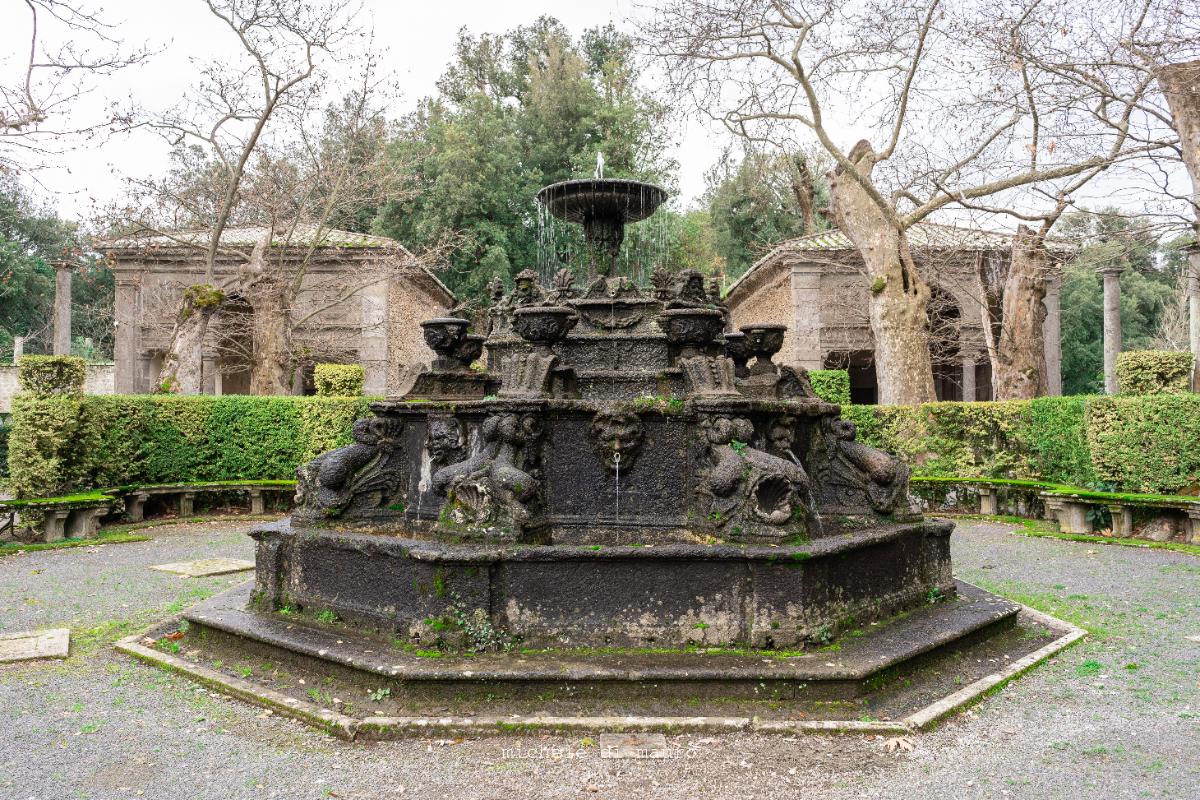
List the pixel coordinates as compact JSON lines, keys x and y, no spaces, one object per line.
{"x":591,"y":199}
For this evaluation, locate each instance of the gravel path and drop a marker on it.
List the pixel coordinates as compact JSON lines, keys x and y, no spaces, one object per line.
{"x":1114,"y":717}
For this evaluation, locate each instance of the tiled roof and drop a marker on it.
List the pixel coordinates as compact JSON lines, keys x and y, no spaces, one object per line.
{"x":924,"y":236}
{"x":301,"y":236}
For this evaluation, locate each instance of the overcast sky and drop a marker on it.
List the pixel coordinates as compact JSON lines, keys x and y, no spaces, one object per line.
{"x":419,"y":37}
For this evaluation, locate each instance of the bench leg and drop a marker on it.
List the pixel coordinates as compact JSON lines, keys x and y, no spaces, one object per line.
{"x":988,"y":502}
{"x":187,"y":502}
{"x":135,"y":506}
{"x":1122,"y":521}
{"x":1072,"y":518}
{"x":53,"y":527}
{"x":256,"y":502}
{"x":1193,"y":526}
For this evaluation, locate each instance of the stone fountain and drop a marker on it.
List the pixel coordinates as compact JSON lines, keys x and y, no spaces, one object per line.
{"x":622,"y":475}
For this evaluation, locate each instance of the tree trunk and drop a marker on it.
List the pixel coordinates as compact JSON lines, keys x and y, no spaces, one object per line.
{"x":182,"y":365}
{"x":1181,"y":86}
{"x":270,"y":372}
{"x":802,"y":189}
{"x":1019,"y":356}
{"x":899,"y":297}
{"x":267,"y":292}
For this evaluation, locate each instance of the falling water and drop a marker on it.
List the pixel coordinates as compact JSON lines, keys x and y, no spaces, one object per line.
{"x":617,"y":463}
{"x":808,"y":497}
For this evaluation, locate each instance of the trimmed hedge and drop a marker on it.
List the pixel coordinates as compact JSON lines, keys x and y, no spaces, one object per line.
{"x":1131,"y":443}
{"x":339,"y":380}
{"x":1154,"y":372}
{"x":1043,"y":439}
{"x":1146,"y":443}
{"x":49,"y":375}
{"x":66,"y":443}
{"x":831,"y":385}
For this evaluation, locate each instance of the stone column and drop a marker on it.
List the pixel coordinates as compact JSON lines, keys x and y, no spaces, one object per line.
{"x":62,"y":308}
{"x":18,"y":348}
{"x":1112,"y":324}
{"x":373,"y":343}
{"x":805,"y":325}
{"x":208,"y":375}
{"x":1193,"y":290}
{"x":125,"y":344}
{"x":1052,"y":332}
{"x":969,"y":393}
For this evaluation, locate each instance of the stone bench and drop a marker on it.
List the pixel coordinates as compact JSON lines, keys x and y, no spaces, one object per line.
{"x":1068,"y":505}
{"x":1070,"y":510}
{"x":990,"y":491}
{"x":63,"y":517}
{"x":136,"y":496}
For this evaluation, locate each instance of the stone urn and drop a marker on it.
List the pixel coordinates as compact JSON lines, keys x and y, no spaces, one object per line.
{"x":763,"y":340}
{"x":736,"y":351}
{"x":542,"y":326}
{"x":447,"y":336}
{"x":691,"y":331}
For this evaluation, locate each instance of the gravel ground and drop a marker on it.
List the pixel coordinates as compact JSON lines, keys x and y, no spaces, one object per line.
{"x":1113,"y":717}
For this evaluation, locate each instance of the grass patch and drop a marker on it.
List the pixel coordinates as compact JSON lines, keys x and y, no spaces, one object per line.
{"x":104,"y":537}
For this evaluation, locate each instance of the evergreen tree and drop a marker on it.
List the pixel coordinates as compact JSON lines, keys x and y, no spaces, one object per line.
{"x":1147,"y":290}
{"x":513,"y":113}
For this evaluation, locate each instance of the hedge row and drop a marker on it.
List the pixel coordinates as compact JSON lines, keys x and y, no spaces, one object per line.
{"x":1133,"y":444}
{"x":831,"y":385}
{"x":66,"y":443}
{"x":70,"y":442}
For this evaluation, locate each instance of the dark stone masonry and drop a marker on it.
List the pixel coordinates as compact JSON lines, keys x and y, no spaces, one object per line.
{"x":623,"y":471}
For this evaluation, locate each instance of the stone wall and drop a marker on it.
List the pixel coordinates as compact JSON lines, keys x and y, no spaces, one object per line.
{"x":99,"y":381}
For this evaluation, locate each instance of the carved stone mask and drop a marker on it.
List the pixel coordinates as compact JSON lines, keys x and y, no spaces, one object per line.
{"x":725,"y":429}
{"x":445,"y":440}
{"x":617,"y":438}
{"x":843,"y":429}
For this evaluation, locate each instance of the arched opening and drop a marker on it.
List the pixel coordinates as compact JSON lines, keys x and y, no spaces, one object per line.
{"x":233,"y":335}
{"x":945,"y":328}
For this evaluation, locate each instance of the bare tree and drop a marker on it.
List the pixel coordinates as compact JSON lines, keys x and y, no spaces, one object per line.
{"x":228,"y":115}
{"x":69,"y":48}
{"x":937,"y":84}
{"x":275,"y":307}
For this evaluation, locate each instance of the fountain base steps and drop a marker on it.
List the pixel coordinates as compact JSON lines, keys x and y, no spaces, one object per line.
{"x":849,"y":669}
{"x":897,"y":677}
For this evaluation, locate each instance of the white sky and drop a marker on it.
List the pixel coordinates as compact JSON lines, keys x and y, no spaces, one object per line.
{"x":419,"y":37}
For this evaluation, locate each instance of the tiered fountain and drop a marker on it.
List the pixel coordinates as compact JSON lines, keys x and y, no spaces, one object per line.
{"x":625,"y":473}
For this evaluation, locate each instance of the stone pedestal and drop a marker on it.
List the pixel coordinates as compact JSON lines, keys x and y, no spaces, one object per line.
{"x":83,"y":523}
{"x":988,"y":502}
{"x":135,"y":506}
{"x":55,"y":525}
{"x":1112,"y":324}
{"x":187,"y":502}
{"x":1122,"y":521}
{"x":1072,"y":518}
{"x":256,"y":502}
